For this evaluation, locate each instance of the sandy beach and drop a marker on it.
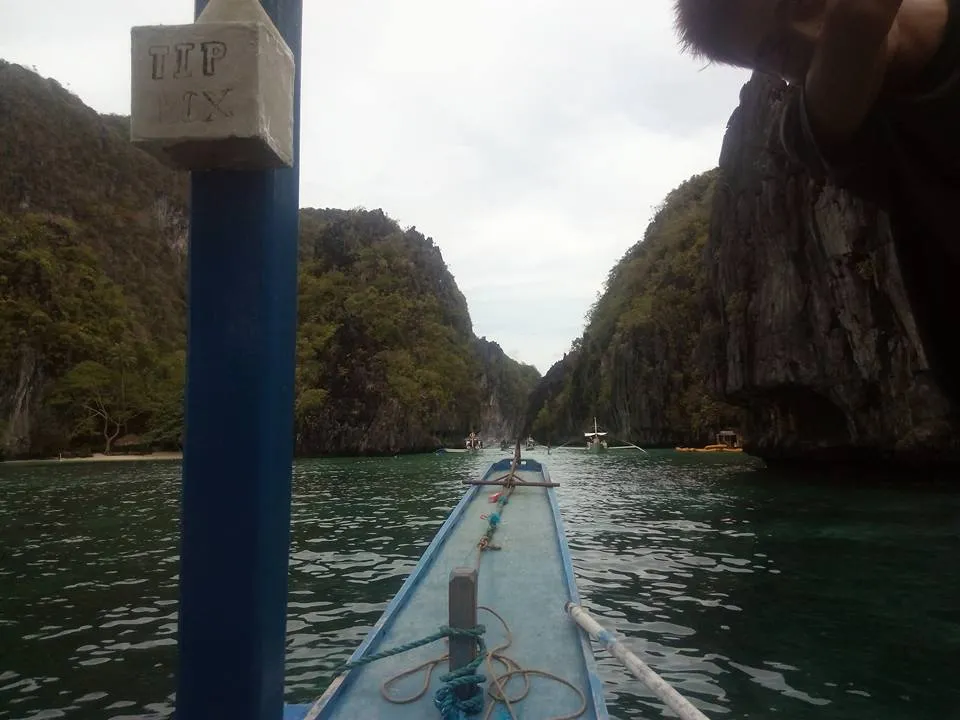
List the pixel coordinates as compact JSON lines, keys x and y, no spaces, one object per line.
{"x":100,"y":457}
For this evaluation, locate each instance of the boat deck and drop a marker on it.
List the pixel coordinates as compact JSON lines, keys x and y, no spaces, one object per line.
{"x":527,"y":582}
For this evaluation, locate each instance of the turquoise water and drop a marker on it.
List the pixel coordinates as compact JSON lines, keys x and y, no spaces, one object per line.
{"x":757,"y":595}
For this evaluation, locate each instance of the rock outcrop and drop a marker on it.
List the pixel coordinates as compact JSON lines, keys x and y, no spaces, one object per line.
{"x":505,"y":387}
{"x":633,"y":368}
{"x":92,"y":305}
{"x":92,"y":240}
{"x":808,"y":327}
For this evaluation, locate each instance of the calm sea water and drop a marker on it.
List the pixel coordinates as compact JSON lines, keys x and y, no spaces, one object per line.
{"x":758,"y":596}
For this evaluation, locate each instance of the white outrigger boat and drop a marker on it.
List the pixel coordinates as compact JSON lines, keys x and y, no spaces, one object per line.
{"x":596,"y":440}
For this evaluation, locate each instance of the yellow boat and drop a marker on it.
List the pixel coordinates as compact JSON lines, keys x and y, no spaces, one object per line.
{"x":727,"y":441}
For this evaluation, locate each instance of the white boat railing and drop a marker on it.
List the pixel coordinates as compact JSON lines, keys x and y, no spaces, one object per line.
{"x":658,"y":686}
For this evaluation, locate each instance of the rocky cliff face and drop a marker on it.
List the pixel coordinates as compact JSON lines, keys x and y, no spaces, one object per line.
{"x":633,"y":368}
{"x":505,"y":387}
{"x":808,"y":326}
{"x":92,"y":294}
{"x":92,"y":240}
{"x":387,"y":358}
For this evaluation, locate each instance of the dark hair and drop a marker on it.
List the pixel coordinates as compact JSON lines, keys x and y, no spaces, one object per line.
{"x":698,"y":25}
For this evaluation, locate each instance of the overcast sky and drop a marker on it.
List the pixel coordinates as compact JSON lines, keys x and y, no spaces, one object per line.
{"x":529,"y":138}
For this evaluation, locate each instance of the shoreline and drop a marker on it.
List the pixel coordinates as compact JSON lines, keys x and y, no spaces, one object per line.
{"x":98,"y":457}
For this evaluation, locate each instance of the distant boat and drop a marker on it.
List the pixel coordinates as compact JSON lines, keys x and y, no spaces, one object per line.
{"x":473,"y":442}
{"x":525,"y":585}
{"x":727,"y":441}
{"x":596,"y":441}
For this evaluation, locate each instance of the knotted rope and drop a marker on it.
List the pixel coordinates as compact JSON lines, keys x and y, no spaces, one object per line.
{"x":445,"y":699}
{"x":467,"y":675}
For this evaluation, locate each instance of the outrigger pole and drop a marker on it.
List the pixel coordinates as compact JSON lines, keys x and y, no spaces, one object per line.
{"x":238,"y":447}
{"x":683,"y":708}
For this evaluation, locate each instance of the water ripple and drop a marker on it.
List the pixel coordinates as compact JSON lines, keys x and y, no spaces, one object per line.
{"x":754,"y":596}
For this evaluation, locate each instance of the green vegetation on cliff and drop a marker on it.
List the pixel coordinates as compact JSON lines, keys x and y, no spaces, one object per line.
{"x":506,"y":384}
{"x":92,"y":304}
{"x":70,"y":332}
{"x":384,"y":348}
{"x":634,"y":367}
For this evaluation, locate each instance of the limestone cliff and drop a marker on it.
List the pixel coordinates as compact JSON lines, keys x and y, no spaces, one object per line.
{"x":92,"y":239}
{"x":808,"y":326}
{"x":505,"y":387}
{"x":387,"y":359}
{"x":92,"y":305}
{"x":633,"y":368}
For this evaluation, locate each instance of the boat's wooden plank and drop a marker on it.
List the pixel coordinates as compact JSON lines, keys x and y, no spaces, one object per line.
{"x":527,"y":582}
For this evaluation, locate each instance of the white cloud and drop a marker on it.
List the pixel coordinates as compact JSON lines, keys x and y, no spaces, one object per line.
{"x":529,"y":138}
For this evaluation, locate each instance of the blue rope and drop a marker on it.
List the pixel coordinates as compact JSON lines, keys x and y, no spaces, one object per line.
{"x":445,"y":699}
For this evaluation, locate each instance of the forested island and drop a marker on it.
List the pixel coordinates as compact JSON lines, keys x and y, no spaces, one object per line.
{"x":757,"y":299}
{"x":93,"y":237}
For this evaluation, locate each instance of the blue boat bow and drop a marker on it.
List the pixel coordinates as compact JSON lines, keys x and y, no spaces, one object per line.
{"x":507,"y":525}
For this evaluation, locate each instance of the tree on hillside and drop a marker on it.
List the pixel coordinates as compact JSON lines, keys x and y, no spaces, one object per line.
{"x":164,"y":401}
{"x":103,"y":399}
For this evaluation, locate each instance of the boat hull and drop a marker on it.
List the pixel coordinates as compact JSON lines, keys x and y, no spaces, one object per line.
{"x":528,"y":582}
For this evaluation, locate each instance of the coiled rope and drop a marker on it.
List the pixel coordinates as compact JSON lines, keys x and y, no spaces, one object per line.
{"x":499,"y":681}
{"x":450,"y":706}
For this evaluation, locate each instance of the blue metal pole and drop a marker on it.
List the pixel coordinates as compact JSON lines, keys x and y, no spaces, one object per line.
{"x":238,"y":449}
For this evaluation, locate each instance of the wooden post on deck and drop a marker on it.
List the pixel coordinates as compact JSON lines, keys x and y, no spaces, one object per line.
{"x":463,"y":615}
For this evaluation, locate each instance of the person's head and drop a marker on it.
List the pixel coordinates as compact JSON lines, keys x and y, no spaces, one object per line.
{"x":775,"y":36}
